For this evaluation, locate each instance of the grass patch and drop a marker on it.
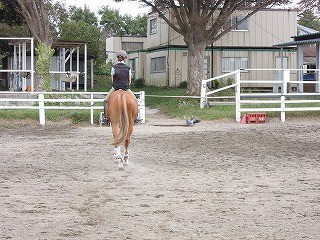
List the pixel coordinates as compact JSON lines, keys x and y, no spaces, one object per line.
{"x":19,"y":114}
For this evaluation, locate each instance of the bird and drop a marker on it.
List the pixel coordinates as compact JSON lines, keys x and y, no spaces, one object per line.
{"x":192,"y":121}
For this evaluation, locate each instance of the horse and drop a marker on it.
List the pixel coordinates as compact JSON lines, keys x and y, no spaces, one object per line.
{"x":121,"y":111}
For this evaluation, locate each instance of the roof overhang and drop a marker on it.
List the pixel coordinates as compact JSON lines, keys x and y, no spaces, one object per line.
{"x":296,"y":43}
{"x":67,"y":44}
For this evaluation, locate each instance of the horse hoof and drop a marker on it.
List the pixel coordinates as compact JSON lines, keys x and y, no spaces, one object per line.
{"x":121,"y":168}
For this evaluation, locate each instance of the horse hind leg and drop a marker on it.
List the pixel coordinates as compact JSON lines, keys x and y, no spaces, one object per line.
{"x":117,"y":153}
{"x":126,"y":159}
{"x":126,"y":152}
{"x":118,"y":158}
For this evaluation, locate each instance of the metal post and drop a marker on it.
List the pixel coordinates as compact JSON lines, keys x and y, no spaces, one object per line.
{"x":203,"y":99}
{"x":286,"y":78}
{"x":91,"y":67}
{"x":15,"y":67}
{"x":63,"y":84}
{"x":78,"y":59}
{"x":300,"y":66}
{"x":237,"y":95}
{"x":141,"y":106}
{"x":91,"y":110}
{"x":32,"y":65}
{"x":19,"y":68}
{"x":42,"y":115}
{"x":85,"y":67}
{"x":24,"y":65}
{"x":317,"y":67}
{"x":70,"y":67}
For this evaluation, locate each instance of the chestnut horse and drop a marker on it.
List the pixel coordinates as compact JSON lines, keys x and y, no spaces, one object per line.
{"x":122,"y":111}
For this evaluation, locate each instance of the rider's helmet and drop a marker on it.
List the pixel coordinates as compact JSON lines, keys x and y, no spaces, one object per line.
{"x":122,"y":54}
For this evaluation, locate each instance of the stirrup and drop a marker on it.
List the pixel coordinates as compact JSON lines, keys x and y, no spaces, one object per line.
{"x":137,"y":120}
{"x":105,"y":119}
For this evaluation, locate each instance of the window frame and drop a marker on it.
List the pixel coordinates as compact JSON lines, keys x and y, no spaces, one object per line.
{"x":236,"y":65}
{"x":158,"y":65}
{"x":233,"y":20}
{"x":153,"y":26}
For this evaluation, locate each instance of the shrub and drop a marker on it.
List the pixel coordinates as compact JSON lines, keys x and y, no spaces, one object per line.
{"x":139,"y":83}
{"x":103,"y":69}
{"x":217,"y":84}
{"x":183,"y":85}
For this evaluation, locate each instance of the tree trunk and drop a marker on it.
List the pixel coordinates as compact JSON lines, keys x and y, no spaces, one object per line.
{"x":43,"y":79}
{"x":195,"y":68}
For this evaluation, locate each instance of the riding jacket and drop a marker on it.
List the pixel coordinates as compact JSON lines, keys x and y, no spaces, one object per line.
{"x":121,"y":76}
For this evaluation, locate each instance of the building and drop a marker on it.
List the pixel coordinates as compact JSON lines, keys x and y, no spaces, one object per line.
{"x":68,"y":66}
{"x":307,"y":44}
{"x":163,"y":59}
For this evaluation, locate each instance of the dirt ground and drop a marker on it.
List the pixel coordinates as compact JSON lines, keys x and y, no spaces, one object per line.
{"x":215,"y":180}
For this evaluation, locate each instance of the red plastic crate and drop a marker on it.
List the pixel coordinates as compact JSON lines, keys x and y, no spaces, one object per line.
{"x":261,"y":117}
{"x":256,"y":117}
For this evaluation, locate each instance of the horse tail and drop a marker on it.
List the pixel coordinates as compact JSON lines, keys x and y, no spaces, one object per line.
{"x":123,"y":118}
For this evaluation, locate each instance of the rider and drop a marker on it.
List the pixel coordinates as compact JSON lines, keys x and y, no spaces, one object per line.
{"x":120,"y":76}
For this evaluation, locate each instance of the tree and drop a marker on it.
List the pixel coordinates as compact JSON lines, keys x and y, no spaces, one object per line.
{"x":8,"y":15}
{"x":11,"y":25}
{"x":36,"y":15}
{"x":82,"y":31}
{"x":82,"y":25}
{"x":136,"y":25}
{"x":110,"y":20}
{"x":83,"y":15}
{"x":309,"y":5}
{"x":201,"y":22}
{"x":58,"y":14}
{"x":115,"y":24}
{"x":309,"y":19}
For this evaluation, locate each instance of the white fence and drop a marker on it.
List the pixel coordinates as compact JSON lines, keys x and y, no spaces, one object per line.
{"x":41,"y":101}
{"x":292,"y":92}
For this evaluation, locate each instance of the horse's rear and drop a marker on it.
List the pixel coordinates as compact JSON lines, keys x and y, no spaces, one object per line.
{"x":121,"y":112}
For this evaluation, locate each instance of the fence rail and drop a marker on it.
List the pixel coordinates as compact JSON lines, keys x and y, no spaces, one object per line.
{"x":40,"y":99}
{"x":285,"y":79}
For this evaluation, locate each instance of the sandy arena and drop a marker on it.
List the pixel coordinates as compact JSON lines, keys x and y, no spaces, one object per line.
{"x":216,"y":180}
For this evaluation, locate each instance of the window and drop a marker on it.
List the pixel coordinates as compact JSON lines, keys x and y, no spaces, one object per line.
{"x":158,"y":64}
{"x":132,"y":64}
{"x":132,"y":46}
{"x":243,"y":25}
{"x":153,"y":26}
{"x":230,"y":64}
{"x":233,"y":21}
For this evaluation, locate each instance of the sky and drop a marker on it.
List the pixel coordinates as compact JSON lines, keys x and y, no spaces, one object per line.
{"x":132,"y":8}
{"x":125,"y":7}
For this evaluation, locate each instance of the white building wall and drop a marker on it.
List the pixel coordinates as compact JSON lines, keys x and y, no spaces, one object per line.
{"x":265,"y":28}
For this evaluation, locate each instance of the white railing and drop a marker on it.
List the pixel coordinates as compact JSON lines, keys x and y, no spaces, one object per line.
{"x":288,"y":77}
{"x":40,"y":101}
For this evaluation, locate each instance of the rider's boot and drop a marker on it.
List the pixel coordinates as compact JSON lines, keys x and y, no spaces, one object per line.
{"x":138,"y":119}
{"x":104,"y":117}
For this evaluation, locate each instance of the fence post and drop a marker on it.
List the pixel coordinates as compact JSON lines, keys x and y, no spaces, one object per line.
{"x":237,"y":95}
{"x":286,"y":79}
{"x":203,"y":100}
{"x":42,"y":115}
{"x":141,"y":106}
{"x":91,"y":110}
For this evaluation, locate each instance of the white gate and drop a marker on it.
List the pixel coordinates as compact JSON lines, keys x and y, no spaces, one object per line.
{"x":284,"y":100}
{"x":43,"y":98}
